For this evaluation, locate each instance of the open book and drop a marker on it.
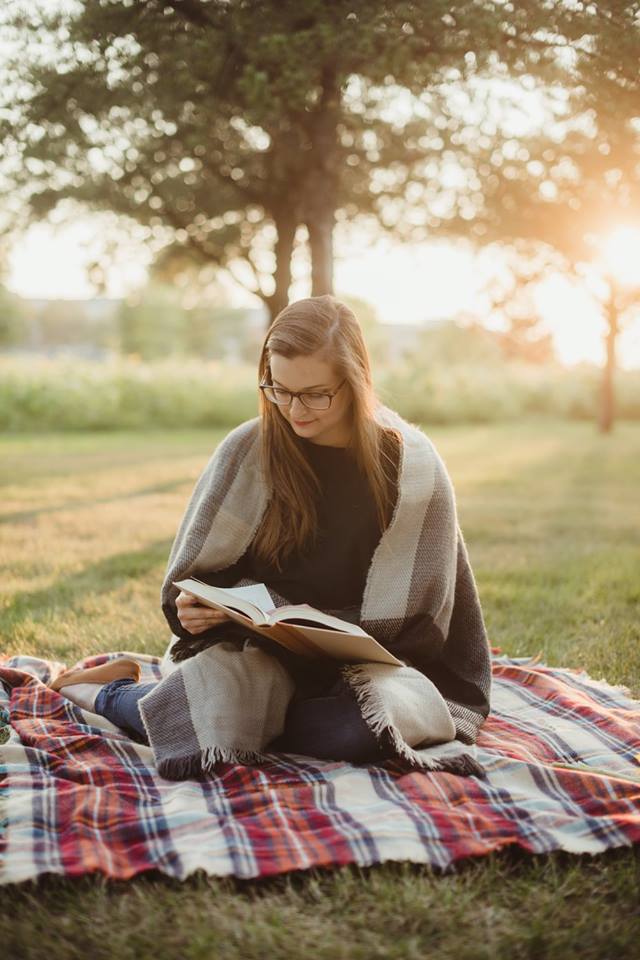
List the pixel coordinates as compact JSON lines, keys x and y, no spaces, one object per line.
{"x":298,"y":627}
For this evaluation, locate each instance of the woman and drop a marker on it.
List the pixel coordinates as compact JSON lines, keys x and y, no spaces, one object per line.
{"x":319,"y":498}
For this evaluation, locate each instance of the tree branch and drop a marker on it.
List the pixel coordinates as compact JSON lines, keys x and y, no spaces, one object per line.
{"x":189,"y":10}
{"x":205,"y":251}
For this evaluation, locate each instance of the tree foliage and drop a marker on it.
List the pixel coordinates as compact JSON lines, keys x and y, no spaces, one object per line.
{"x":232,"y":126}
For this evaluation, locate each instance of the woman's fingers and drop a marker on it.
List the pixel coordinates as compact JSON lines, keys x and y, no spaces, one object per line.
{"x":196,"y":628}
{"x":186,"y":600}
{"x":204,"y":614}
{"x":201,"y":616}
{"x":197,"y":625}
{"x":196,"y":617}
{"x":204,"y":621}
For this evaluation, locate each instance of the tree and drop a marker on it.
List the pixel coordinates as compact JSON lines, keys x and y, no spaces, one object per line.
{"x":522,"y":334}
{"x":12,"y":319}
{"x":561,"y":191}
{"x":619,"y":303}
{"x":233,"y":128}
{"x":13,"y":311}
{"x":152,"y":324}
{"x":375,"y":337}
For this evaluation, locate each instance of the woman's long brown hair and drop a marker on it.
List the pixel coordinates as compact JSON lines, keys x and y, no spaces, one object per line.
{"x":326,"y":326}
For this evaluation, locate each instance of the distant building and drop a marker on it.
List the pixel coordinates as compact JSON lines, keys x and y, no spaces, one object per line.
{"x":403,"y":337}
{"x":96,"y":309}
{"x":89,"y":329}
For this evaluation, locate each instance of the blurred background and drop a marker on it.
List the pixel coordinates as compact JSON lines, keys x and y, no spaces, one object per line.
{"x":465,"y":176}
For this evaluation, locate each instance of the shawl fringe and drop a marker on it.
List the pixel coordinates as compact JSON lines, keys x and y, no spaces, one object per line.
{"x":204,"y":762}
{"x":376,"y":717}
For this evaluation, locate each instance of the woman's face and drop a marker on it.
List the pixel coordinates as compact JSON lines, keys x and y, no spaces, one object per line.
{"x":310,"y":374}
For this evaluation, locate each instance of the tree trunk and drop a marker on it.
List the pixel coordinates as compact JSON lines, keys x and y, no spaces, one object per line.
{"x":321,"y":184}
{"x":286,"y":226}
{"x":320,"y":227}
{"x":607,"y":397}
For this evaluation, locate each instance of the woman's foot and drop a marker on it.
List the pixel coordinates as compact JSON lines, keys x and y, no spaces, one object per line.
{"x":113,"y":670}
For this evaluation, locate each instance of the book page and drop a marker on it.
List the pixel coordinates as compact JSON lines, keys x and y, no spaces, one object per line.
{"x":255,"y":593}
{"x":349,"y":649}
{"x":303,"y":612}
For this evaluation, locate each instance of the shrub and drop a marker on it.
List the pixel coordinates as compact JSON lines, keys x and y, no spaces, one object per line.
{"x":58,"y":394}
{"x":68,"y":394}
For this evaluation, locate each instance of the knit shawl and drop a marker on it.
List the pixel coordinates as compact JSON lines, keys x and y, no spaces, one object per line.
{"x":419,"y":584}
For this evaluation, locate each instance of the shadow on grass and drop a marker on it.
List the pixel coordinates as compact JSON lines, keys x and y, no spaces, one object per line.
{"x":95,"y":579}
{"x":24,"y":516}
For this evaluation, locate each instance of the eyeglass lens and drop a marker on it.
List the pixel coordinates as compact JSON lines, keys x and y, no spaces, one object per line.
{"x":315,"y":401}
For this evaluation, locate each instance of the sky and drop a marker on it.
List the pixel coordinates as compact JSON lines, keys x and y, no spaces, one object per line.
{"x":405,"y":284}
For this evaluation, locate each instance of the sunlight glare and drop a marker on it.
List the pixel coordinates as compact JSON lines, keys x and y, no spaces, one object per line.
{"x":621,"y":254}
{"x":52,"y":263}
{"x":573,"y":318}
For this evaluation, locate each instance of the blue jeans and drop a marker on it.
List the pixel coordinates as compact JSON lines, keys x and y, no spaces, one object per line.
{"x":329,"y":727}
{"x":118,"y":702}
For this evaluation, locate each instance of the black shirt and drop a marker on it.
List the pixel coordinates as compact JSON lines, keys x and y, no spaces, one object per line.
{"x":331,"y":572}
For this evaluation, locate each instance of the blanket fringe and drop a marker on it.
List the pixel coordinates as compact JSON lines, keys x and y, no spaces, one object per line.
{"x":374,"y":715}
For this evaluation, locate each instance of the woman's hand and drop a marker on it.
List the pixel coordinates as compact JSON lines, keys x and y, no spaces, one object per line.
{"x":194,"y":616}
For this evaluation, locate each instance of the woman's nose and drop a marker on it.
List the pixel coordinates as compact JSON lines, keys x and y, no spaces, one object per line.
{"x":299,"y":409}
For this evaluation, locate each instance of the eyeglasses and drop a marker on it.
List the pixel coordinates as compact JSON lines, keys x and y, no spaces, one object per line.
{"x":314,"y":401}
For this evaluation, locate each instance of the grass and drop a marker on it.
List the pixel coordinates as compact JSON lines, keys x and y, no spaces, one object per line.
{"x":550,"y":515}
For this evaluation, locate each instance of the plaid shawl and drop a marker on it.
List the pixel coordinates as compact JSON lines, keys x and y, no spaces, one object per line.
{"x":77,"y":795}
{"x":420,"y":601}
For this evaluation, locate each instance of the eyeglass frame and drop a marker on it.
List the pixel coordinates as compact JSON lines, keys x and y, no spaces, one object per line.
{"x":300,"y":394}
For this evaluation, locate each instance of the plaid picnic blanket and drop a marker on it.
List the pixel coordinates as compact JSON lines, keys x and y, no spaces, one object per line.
{"x":561,"y":751}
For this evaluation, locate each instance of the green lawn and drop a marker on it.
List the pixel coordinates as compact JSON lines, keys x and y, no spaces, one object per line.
{"x":551,"y":516}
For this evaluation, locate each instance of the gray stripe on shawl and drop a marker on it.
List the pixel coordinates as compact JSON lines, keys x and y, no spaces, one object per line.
{"x":467,"y":646}
{"x":439,"y":515}
{"x":428,"y":556}
{"x":399,"y":542}
{"x":467,"y":722}
{"x":385,"y":631}
{"x":171,"y":733}
{"x":208,"y":495}
{"x":236,"y":522}
{"x":239,"y":441}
